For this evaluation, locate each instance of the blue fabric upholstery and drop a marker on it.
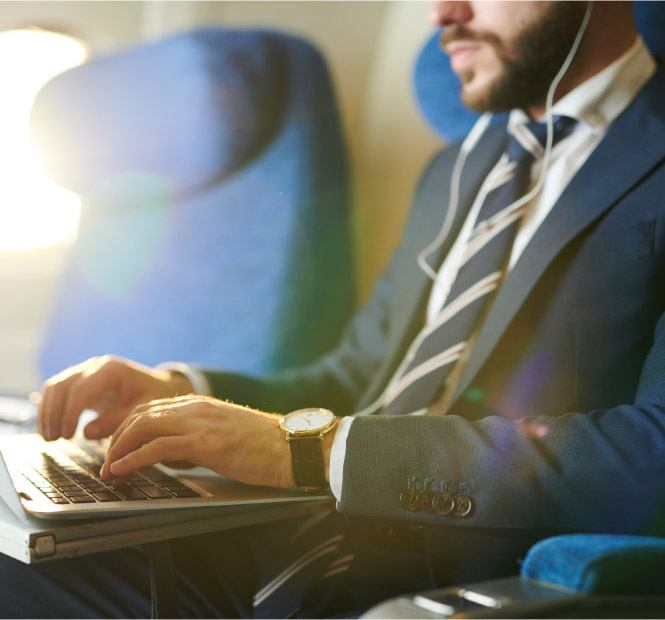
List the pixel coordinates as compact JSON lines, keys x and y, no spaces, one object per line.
{"x":215,"y":227}
{"x":437,"y":87}
{"x":600,"y":564}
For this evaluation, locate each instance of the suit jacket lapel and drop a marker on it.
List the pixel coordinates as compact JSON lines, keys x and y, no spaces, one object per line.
{"x":610,"y":172}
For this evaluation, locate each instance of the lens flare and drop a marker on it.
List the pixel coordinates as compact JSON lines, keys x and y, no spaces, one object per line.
{"x":34,"y":211}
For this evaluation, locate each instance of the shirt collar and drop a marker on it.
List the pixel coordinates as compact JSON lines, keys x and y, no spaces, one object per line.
{"x":598,"y":101}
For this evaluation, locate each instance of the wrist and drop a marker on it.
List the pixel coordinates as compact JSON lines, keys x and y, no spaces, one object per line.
{"x":197,"y":382}
{"x":179,"y":383}
{"x":326,"y":447}
{"x":308,"y":433}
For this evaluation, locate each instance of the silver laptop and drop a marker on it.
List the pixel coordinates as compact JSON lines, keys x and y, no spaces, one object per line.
{"x":60,"y":479}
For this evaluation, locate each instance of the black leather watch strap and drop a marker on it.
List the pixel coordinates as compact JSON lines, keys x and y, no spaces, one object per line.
{"x":307,"y":461}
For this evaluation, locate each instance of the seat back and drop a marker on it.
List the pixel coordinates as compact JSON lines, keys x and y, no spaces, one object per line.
{"x":215,"y":222}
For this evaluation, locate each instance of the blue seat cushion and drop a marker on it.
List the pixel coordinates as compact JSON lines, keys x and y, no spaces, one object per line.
{"x":600,"y":563}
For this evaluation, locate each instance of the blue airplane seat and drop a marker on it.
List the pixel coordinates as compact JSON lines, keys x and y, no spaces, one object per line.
{"x":215,"y":225}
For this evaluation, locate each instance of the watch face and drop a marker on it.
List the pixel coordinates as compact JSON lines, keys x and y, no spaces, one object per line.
{"x":307,"y":420}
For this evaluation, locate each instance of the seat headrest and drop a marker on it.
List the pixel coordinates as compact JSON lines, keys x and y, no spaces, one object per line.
{"x":219,"y":92}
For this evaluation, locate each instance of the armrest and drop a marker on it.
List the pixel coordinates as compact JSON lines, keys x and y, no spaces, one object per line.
{"x":599,"y":563}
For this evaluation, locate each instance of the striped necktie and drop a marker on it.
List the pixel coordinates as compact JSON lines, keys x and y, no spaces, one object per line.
{"x":442,"y":342}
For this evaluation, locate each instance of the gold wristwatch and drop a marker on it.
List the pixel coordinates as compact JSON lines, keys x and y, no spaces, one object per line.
{"x":304,"y":431}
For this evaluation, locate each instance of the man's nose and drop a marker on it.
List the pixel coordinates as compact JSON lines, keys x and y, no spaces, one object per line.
{"x":444,"y":14}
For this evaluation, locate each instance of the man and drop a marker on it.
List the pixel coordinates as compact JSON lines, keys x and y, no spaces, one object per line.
{"x":544,"y":413}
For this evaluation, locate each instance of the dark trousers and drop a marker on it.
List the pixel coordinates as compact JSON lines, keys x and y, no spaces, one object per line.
{"x":218,"y":575}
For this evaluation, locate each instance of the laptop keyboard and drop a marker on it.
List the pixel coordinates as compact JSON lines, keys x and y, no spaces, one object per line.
{"x":69,"y":474}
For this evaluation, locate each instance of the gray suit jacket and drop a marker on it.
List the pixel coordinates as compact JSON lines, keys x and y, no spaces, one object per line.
{"x":558,"y":422}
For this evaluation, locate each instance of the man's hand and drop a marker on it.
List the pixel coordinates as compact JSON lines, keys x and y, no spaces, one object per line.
{"x":234,"y":441}
{"x":111,"y":386}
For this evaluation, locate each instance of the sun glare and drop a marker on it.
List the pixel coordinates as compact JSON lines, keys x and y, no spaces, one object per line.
{"x":34,"y":211}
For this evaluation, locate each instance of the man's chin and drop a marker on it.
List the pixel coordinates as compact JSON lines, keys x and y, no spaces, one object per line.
{"x":490,"y":95}
{"x":475,"y":99}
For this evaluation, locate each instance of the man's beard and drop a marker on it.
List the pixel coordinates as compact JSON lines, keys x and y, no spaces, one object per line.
{"x":530,"y":62}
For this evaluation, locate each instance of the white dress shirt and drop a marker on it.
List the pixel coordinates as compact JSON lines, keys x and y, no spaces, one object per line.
{"x":595,"y":104}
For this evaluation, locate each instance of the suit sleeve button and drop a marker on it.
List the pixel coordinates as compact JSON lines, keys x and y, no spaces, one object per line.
{"x":425,"y":499}
{"x":463,"y":506}
{"x":409,"y":499}
{"x":443,"y":503}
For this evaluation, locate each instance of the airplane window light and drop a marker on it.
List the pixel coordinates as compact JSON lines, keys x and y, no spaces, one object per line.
{"x":34,"y":211}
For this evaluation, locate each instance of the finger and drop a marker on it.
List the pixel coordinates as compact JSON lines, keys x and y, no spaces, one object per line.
{"x":54,"y":398}
{"x":77,"y":399}
{"x":156,"y":408}
{"x":140,"y":411}
{"x":142,"y":428}
{"x":42,"y":409}
{"x":104,"y":424}
{"x":179,"y":464}
{"x":160,"y":449}
{"x":51,"y":408}
{"x":96,"y":390}
{"x":111,"y":412}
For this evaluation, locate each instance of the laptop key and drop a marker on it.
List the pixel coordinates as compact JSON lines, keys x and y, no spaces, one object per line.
{"x":94,"y":488}
{"x":82,"y":499}
{"x":69,"y":488}
{"x":83,"y":479}
{"x":106,"y":496}
{"x":59,"y":500}
{"x":78,"y":493}
{"x":129,"y":493}
{"x":184,"y":492}
{"x":155,"y":492}
{"x":176,"y":486}
{"x":152,"y":473}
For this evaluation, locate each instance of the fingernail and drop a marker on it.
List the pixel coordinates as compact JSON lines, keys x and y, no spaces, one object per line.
{"x":116,"y":466}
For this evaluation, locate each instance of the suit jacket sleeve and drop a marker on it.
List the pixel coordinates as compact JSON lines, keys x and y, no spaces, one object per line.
{"x":601,"y":471}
